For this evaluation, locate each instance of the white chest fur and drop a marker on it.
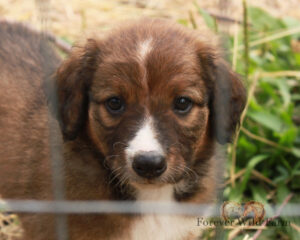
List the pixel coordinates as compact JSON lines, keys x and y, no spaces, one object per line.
{"x":162,"y":227}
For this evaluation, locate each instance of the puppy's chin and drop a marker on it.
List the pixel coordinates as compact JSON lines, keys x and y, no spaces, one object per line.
{"x":139,"y":182}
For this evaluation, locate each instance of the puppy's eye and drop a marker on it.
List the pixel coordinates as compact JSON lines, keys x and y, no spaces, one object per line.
{"x":115,"y":105}
{"x":182,"y":105}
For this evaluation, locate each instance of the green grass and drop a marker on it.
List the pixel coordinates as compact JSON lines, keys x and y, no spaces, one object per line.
{"x":267,"y":149}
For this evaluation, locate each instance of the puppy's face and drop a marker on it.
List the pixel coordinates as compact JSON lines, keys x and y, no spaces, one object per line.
{"x":148,"y":109}
{"x":153,"y":98}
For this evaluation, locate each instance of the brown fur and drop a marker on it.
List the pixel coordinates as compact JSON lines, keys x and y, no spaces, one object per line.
{"x":180,"y":63}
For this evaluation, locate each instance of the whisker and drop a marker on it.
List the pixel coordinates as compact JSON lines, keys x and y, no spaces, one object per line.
{"x":123,"y":181}
{"x":186,"y":171}
{"x":109,"y":157}
{"x":121,"y":143}
{"x":176,"y":143}
{"x":192,"y":171}
{"x":177,"y":170}
{"x":170,"y":176}
{"x":116,"y":174}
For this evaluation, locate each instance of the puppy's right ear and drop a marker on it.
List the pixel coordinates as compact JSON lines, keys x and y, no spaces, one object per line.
{"x":73,"y":80}
{"x":227,"y":93}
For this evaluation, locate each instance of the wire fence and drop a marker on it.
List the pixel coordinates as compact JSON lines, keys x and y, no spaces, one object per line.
{"x":201,"y":212}
{"x":131,"y":207}
{"x":62,"y":207}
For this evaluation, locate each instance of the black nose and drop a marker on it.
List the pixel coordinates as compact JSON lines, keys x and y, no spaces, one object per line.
{"x":149,"y":164}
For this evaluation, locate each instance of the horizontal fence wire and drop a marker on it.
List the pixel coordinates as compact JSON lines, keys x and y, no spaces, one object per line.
{"x":129,"y":207}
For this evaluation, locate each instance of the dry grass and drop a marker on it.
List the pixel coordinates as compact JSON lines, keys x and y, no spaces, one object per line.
{"x":76,"y":18}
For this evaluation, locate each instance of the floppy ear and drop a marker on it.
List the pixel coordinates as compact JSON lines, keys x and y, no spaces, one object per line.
{"x":229,"y":99}
{"x":227,"y":95}
{"x":73,"y":80}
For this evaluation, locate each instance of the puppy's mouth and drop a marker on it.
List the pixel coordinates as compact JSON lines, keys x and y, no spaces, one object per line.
{"x":167,"y":175}
{"x":146,"y":169}
{"x":126,"y":175}
{"x":144,"y":181}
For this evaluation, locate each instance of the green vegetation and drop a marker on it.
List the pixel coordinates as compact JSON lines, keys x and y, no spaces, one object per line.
{"x":264,"y":159}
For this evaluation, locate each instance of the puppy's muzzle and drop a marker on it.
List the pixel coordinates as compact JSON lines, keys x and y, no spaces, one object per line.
{"x":149,"y":164}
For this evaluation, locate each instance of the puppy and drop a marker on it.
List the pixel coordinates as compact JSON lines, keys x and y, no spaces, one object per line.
{"x":140,"y":111}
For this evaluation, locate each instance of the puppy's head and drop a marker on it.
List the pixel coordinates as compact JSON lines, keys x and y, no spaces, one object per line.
{"x":153,"y":97}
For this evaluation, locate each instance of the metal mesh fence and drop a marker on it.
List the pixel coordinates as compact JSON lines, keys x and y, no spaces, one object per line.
{"x":62,"y":208}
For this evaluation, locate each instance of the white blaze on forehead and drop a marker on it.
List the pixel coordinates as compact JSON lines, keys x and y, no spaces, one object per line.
{"x":144,"y":140}
{"x":144,"y":48}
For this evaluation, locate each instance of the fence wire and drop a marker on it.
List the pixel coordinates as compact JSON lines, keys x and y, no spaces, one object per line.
{"x":131,"y":207}
{"x":62,"y":207}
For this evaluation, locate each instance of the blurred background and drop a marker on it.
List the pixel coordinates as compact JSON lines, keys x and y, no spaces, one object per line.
{"x":261,"y":40}
{"x":71,"y":19}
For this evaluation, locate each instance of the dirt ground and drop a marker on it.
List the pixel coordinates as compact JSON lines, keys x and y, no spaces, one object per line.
{"x":77,"y":18}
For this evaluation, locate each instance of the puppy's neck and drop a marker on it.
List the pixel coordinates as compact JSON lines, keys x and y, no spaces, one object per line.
{"x":163,"y":193}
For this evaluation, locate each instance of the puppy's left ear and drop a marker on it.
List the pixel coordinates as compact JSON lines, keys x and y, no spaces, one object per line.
{"x":227,"y":94}
{"x":73,"y":80}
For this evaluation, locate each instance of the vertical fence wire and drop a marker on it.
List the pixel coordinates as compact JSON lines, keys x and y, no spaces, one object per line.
{"x":55,"y":151}
{"x":55,"y":141}
{"x":57,"y":176}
